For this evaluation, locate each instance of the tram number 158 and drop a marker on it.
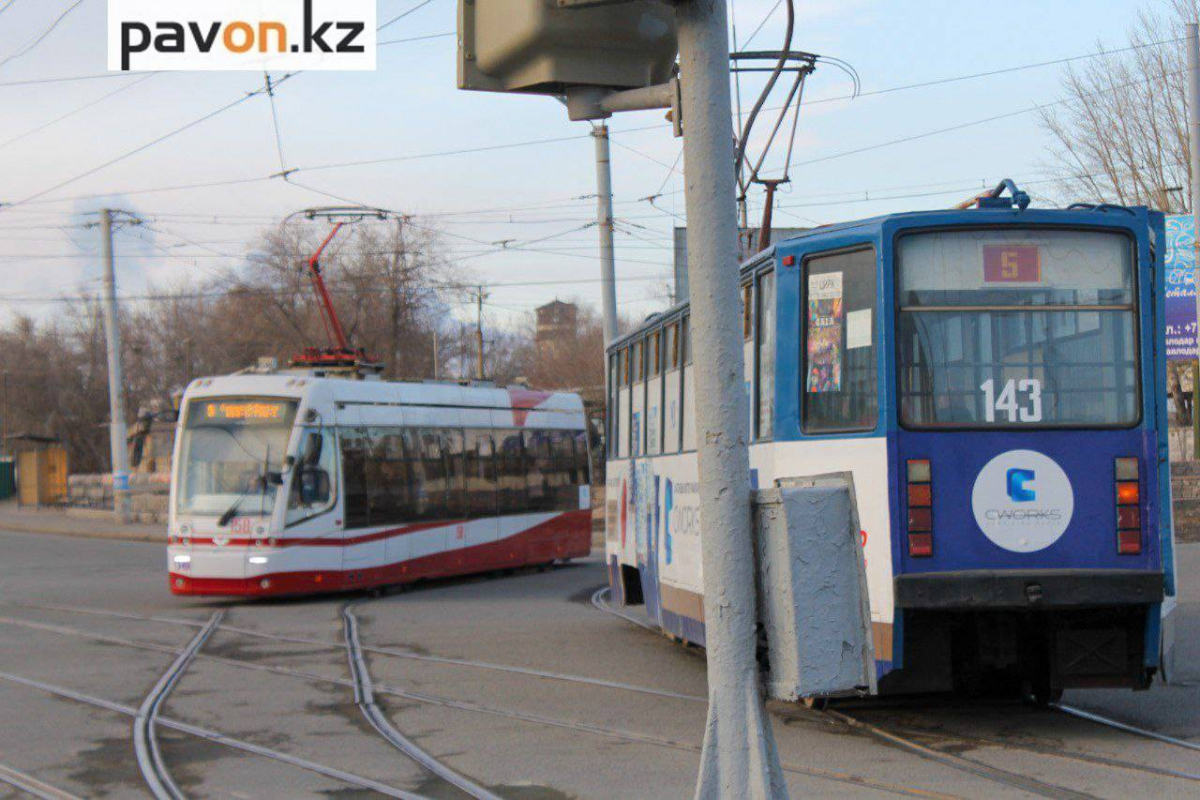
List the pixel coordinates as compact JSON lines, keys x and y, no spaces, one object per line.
{"x":1027,"y":407}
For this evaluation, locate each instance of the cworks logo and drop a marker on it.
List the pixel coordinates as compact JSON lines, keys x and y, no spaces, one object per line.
{"x":1018,"y":491}
{"x":241,"y":35}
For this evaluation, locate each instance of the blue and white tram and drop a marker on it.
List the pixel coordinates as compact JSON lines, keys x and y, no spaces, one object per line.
{"x":992,"y":378}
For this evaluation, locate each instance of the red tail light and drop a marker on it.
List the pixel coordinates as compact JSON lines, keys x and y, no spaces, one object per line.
{"x":1129,"y":512}
{"x":920,"y":508}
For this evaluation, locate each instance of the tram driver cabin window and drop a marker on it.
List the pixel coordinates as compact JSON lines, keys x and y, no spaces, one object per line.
{"x":840,"y":390}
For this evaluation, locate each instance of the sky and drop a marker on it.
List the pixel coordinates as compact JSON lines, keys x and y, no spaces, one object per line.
{"x":516,"y":212}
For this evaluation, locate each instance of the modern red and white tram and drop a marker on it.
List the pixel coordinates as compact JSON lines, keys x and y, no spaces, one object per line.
{"x":290,"y":483}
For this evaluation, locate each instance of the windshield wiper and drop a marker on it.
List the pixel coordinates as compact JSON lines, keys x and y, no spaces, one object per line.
{"x":262,"y":481}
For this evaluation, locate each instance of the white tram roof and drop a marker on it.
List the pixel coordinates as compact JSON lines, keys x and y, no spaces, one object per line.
{"x":376,"y":400}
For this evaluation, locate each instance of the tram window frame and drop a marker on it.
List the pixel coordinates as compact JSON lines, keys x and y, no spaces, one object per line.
{"x":328,"y":462}
{"x":613,"y":406}
{"x":1134,"y":307}
{"x":872,"y":390}
{"x":654,"y":354}
{"x":747,"y":293}
{"x":765,"y":349}
{"x":482,"y":502}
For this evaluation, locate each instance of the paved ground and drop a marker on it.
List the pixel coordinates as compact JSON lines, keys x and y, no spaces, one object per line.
{"x":520,"y":684}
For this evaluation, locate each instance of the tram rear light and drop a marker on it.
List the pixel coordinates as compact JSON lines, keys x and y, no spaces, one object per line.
{"x":1129,"y":518}
{"x":919,"y":471}
{"x":920,"y":545}
{"x":920,"y":495}
{"x":1127,"y":469}
{"x":920,"y":519}
{"x":1129,"y":511}
{"x":1129,"y":543}
{"x":920,"y":508}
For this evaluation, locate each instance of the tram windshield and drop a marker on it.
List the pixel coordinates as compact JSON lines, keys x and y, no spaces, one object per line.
{"x":232,"y":453}
{"x":1017,"y":329}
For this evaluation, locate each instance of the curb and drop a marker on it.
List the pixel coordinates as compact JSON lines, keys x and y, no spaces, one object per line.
{"x":126,"y":536}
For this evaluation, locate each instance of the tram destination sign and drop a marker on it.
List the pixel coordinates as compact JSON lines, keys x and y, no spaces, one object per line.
{"x":1181,"y":287}
{"x":244,"y":411}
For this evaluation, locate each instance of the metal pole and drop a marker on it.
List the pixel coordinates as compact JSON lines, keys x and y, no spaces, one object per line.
{"x":112,"y":335}
{"x":1193,"y":104}
{"x":435,"y":354}
{"x":604,"y":220}
{"x":739,"y":757}
{"x":479,"y":334}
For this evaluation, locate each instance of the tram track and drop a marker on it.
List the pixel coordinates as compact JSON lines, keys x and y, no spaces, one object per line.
{"x":145,"y":723}
{"x":32,"y":786}
{"x":383,"y":651}
{"x":477,"y":708}
{"x":904,"y":738}
{"x":212,"y":736}
{"x":364,"y":698}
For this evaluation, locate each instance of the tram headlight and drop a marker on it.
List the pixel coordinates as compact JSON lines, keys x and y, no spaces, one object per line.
{"x":257,"y":559}
{"x":182,"y":559}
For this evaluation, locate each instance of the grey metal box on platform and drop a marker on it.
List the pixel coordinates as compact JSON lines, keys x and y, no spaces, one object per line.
{"x":543,"y":46}
{"x":812,"y":590}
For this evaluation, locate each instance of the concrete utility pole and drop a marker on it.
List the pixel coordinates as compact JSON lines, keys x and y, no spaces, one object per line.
{"x":479,"y":333}
{"x":604,"y":219}
{"x":1193,"y":106}
{"x":116,"y":384}
{"x":739,"y":757}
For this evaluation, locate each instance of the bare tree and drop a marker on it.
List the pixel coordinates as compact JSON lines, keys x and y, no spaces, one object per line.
{"x":1120,"y":133}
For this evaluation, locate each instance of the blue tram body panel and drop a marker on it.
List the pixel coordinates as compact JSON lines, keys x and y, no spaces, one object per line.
{"x":982,"y":551}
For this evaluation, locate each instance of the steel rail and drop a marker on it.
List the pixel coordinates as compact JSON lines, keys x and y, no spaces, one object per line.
{"x":960,"y":762}
{"x":218,"y":738}
{"x":387,"y":651}
{"x":443,"y":702}
{"x":32,"y":786}
{"x":364,"y":698}
{"x":1044,"y":750}
{"x":599,"y":602}
{"x":145,"y":740}
{"x":1122,"y":726}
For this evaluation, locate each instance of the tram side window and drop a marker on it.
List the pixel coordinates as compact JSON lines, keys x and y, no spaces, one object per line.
{"x":510,"y":472}
{"x":481,"y":474}
{"x":765,"y":423}
{"x":389,"y":480}
{"x":840,"y":383}
{"x":355,"y":454}
{"x":314,"y":490}
{"x":542,"y":479}
{"x":583,"y":463}
{"x":452,"y":456}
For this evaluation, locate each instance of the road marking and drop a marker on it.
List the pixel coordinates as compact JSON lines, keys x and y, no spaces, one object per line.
{"x":33,"y":786}
{"x":218,"y":738}
{"x":364,"y":698}
{"x":145,"y":742}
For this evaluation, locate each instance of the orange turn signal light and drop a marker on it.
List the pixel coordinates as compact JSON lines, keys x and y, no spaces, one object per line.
{"x":1128,"y":493}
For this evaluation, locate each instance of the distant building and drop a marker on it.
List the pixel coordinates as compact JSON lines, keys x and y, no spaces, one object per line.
{"x":556,"y":322}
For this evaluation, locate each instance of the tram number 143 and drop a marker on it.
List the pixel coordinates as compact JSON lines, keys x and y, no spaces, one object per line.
{"x":1017,"y":400}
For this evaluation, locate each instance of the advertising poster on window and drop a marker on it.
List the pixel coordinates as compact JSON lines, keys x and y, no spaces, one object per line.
{"x":825,"y":315}
{"x":1181,"y":287}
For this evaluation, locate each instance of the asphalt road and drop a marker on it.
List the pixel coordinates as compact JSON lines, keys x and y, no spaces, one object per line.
{"x":516,"y":685}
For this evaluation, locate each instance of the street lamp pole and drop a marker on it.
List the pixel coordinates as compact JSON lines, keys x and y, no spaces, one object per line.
{"x":739,"y":757}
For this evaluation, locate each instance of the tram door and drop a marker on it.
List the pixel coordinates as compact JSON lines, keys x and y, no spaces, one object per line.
{"x":366,"y":445}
